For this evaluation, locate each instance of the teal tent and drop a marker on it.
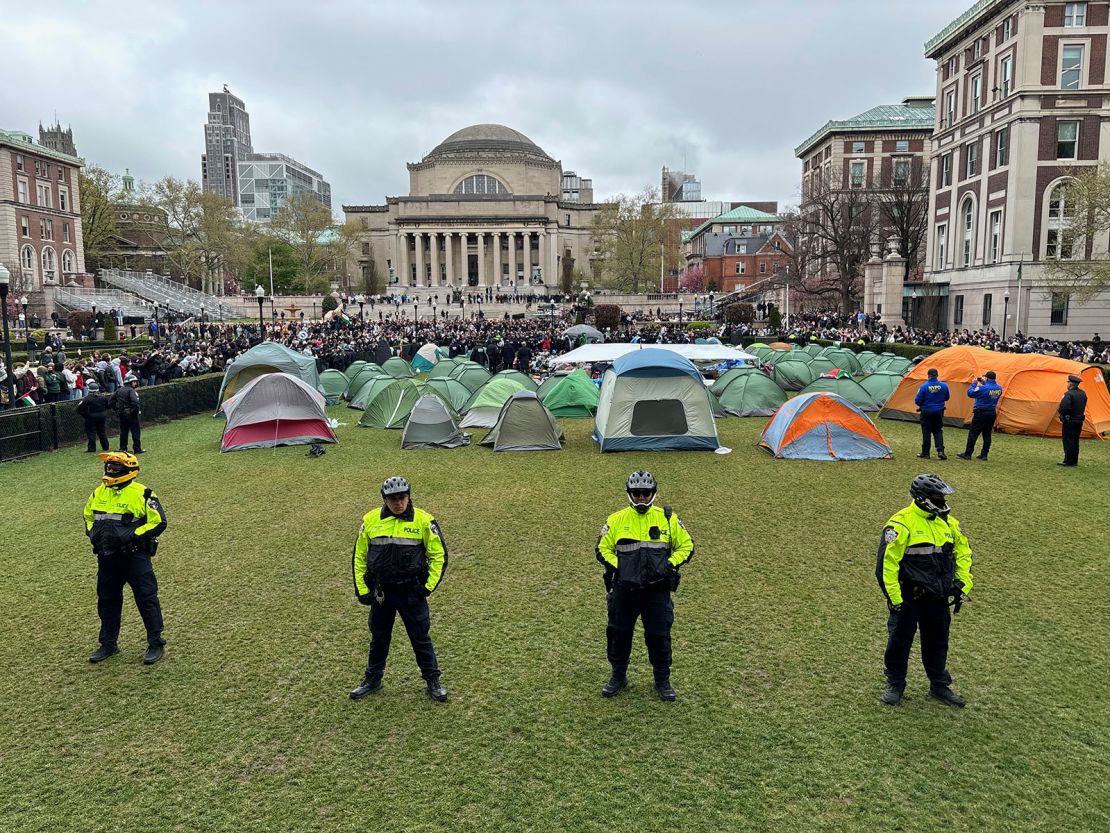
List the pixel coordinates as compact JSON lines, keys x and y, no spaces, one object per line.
{"x":333,"y":383}
{"x":752,"y":394}
{"x":370,"y":387}
{"x":356,"y":378}
{"x":391,"y":405}
{"x":472,"y":375}
{"x":264,"y":358}
{"x":444,"y":368}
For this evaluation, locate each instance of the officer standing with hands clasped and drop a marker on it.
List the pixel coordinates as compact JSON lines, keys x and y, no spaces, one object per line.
{"x":1073,"y":408}
{"x":399,"y":559}
{"x":930,"y":400}
{"x":123,"y":520}
{"x":986,"y":392}
{"x":923,"y":565}
{"x":641,"y":548}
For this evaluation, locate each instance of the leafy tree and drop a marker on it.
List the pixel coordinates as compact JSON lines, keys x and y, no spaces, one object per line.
{"x":306,"y":225}
{"x":78,"y":320}
{"x":774,"y":319}
{"x":740,"y":313}
{"x":1077,"y":269}
{"x":256,"y":272}
{"x":607,"y":316}
{"x":110,"y":328}
{"x":629,"y":235}
{"x":328,"y":303}
{"x":98,"y":214}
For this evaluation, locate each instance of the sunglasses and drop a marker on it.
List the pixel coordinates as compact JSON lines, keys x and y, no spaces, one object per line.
{"x":641,"y":494}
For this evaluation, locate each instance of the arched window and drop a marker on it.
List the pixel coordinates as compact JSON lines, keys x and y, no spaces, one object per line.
{"x":1058,"y":236}
{"x":968,"y":231}
{"x":481,"y":184}
{"x":49,"y":265}
{"x":27,"y":262}
{"x":68,"y":265}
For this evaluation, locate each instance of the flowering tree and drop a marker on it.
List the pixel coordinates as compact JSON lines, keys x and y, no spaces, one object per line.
{"x":693,"y":279}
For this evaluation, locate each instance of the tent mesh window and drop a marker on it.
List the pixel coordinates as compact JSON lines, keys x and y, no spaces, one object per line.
{"x":658,"y":418}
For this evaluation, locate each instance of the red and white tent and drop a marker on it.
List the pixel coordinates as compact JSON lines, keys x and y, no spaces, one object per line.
{"x":272,"y":410}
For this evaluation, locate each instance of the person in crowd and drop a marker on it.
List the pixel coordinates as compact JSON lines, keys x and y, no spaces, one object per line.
{"x":123,"y":520}
{"x":923,"y":567}
{"x":1073,"y":407}
{"x":400,"y":558}
{"x":93,"y":409}
{"x":986,"y":392}
{"x":930,"y":400}
{"x":125,"y":402}
{"x":55,"y":384}
{"x":641,"y":549}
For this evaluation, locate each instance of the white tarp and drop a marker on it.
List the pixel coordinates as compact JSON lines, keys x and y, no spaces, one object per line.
{"x":589,"y":353}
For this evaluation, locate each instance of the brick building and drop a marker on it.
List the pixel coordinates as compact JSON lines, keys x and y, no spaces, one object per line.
{"x":40,"y":218}
{"x":737,"y":248}
{"x":1021,"y":88}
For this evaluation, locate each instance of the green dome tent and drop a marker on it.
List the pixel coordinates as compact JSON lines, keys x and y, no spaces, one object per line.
{"x":773,"y":356}
{"x":369,"y":388}
{"x":356,"y":379}
{"x":264,"y":358}
{"x":391,"y":405}
{"x":866,"y":358}
{"x":444,"y":368}
{"x":574,"y":397}
{"x":524,"y":424}
{"x":813,"y":349}
{"x":398,"y":368}
{"x":354,"y":367}
{"x":484,"y":406}
{"x":844,"y":359}
{"x":792,"y":375}
{"x":822,"y":364}
{"x":899,"y":364}
{"x":333,"y":383}
{"x":730,"y":376}
{"x":432,"y":425}
{"x":525,"y":381}
{"x":551,"y":381}
{"x":880,"y":385}
{"x":800,"y":355}
{"x":845,"y":387}
{"x":472,"y":375}
{"x":752,"y":394}
{"x":451,"y":391}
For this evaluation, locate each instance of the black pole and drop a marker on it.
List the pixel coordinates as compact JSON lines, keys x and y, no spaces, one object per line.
{"x":7,"y":345}
{"x":261,"y":323}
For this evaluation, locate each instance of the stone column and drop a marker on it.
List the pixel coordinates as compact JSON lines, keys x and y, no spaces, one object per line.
{"x":542,"y":259}
{"x":433,"y":257}
{"x":404,"y":270}
{"x":496,"y":258}
{"x":526,"y":257}
{"x":449,"y":254}
{"x":481,"y":258}
{"x":512,"y":259}
{"x":873,"y":279}
{"x":418,"y":237}
{"x":894,"y":270}
{"x":552,"y":259}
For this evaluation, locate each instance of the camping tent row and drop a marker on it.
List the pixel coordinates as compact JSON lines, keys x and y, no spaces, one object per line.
{"x":267,"y":357}
{"x":1032,"y":385}
{"x":823,"y":359}
{"x":432,"y":425}
{"x":274,"y":409}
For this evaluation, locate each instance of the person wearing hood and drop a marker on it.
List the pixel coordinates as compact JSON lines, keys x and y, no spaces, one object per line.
{"x":642,"y":548}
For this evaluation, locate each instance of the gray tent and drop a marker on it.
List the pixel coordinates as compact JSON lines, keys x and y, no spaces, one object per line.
{"x":431,"y":425}
{"x":524,"y":424}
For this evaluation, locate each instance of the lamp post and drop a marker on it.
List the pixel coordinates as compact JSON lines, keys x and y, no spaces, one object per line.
{"x":415,"y":306}
{"x":27,"y":324}
{"x":913,"y":308}
{"x":313,"y":310}
{"x":680,"y":313}
{"x":260,"y":294}
{"x":155,"y":323}
{"x":202,"y":315}
{"x":9,"y":379}
{"x":1005,"y":312}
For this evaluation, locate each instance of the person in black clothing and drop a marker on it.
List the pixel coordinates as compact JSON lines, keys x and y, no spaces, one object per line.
{"x":1072,"y":409}
{"x":125,"y":401}
{"x":93,"y":408}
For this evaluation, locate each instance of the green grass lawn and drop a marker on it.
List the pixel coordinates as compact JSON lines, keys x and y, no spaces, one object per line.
{"x":778,"y":643}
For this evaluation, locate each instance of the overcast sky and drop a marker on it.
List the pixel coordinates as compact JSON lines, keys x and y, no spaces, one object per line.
{"x":613,"y":89}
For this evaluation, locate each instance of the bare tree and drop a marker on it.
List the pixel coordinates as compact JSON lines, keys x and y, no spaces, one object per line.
{"x":1079,"y":214}
{"x":629,"y":235}
{"x":903,"y":205}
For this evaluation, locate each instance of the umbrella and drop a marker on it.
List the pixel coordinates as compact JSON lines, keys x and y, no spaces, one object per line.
{"x":586,"y":330}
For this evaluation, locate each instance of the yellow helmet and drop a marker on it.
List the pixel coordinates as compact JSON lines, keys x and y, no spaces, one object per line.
{"x":120,"y":467}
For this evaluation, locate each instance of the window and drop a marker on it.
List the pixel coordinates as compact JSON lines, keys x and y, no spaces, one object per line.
{"x":43,"y":195}
{"x":1006,"y":76}
{"x":901,"y":172}
{"x":25,"y":226}
{"x":1007,"y":28}
{"x":996,"y":236}
{"x":950,"y":108}
{"x":366,"y":249}
{"x":566,"y":219}
{"x":1002,"y":147}
{"x":1059,"y":314}
{"x":763,"y":268}
{"x":969,"y":231}
{"x":976,"y":93}
{"x":1058,"y":239}
{"x":958,"y":310}
{"x":63,"y":199}
{"x":775,"y":267}
{"x":49,"y":265}
{"x":19,"y":161}
{"x":972,"y":159}
{"x":27,"y":261}
{"x":977,"y":49}
{"x":67,"y":263}
{"x":1071,"y":67}
{"x":1058,"y":244}
{"x":480,"y":184}
{"x":1075,"y":15}
{"x":65,"y":232}
{"x":857,"y":147}
{"x":946,"y":170}
{"x":46,"y":229}
{"x":987,"y":309}
{"x":902,"y":146}
{"x":857,"y":170}
{"x":1067,"y":139}
{"x":942,"y":246}
{"x":740,"y":268}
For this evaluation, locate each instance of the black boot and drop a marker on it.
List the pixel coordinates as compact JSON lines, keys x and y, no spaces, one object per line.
{"x":617,"y":683}
{"x":369,"y":686}
{"x":892,"y":696}
{"x":436,"y":691}
{"x":941,"y":455}
{"x":923,"y":456}
{"x":665,"y":691}
{"x":947,"y":696}
{"x":102,"y":653}
{"x":153,"y":654}
{"x":965,"y":455}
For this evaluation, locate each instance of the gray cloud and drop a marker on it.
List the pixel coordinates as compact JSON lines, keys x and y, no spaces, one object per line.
{"x":614,"y":89}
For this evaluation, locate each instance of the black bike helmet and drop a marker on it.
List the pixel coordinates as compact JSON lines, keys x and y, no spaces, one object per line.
{"x":929,"y":492}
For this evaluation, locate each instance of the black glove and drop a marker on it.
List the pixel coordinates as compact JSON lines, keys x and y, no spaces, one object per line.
{"x":426,"y":592}
{"x":895,"y":608}
{"x":675,"y":578}
{"x":364,"y":598}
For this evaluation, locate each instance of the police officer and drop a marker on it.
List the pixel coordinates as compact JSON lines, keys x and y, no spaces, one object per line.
{"x":641,"y":548}
{"x":399,"y":560}
{"x":986,"y":392}
{"x":125,"y":401}
{"x":123,"y":520}
{"x":923,"y":565}
{"x":930,"y":400}
{"x":1073,"y":408}
{"x":93,"y":409}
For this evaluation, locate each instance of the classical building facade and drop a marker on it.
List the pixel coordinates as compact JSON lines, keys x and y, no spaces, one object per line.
{"x":485,"y":209}
{"x":40,"y":216}
{"x":1022,"y":96}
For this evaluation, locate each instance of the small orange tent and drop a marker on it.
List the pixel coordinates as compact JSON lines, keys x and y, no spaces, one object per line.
{"x":1032,"y":385}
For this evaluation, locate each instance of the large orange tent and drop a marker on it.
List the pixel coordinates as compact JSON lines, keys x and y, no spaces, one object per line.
{"x":1032,"y":385}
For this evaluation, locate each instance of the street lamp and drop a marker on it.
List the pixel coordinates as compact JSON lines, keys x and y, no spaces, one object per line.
{"x":913,"y":308}
{"x":260,"y":294}
{"x":202,"y":315}
{"x":680,"y":313}
{"x":27,"y":324}
{"x":414,"y":311}
{"x":5,"y":279}
{"x":1005,"y":311}
{"x":314,"y":310}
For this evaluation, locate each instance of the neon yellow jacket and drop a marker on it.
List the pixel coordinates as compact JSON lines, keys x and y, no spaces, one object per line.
{"x":115,"y":514}
{"x":639,"y":558}
{"x":398,"y":550}
{"x":922,"y":552}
